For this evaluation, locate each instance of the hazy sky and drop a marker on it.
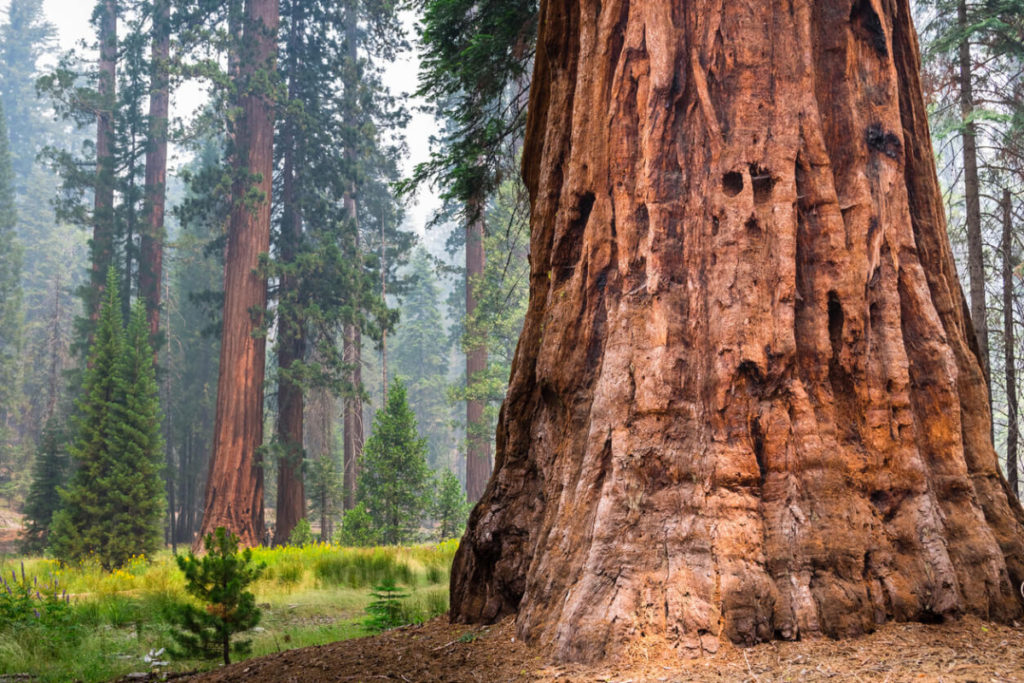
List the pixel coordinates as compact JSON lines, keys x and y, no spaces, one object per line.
{"x":71,"y":17}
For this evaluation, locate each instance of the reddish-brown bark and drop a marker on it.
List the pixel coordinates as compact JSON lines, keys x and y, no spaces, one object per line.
{"x":102,"y":245}
{"x":151,"y":245}
{"x":747,"y":401}
{"x":478,"y":443}
{"x":234,"y":487}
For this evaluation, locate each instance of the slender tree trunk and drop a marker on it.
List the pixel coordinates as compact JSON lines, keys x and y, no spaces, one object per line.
{"x":152,"y":241}
{"x":291,"y":493}
{"x":352,"y":445}
{"x":478,"y":441}
{"x":102,"y":245}
{"x":972,"y":195}
{"x":1009,"y":347}
{"x":384,"y":333}
{"x":319,"y":439}
{"x":56,"y":351}
{"x":234,"y":486}
{"x":744,"y":404}
{"x":352,"y":448}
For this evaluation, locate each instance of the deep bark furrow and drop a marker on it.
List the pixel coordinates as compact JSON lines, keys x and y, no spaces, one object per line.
{"x":744,"y":404}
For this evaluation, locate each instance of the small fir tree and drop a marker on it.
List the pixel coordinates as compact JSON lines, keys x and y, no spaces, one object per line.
{"x":386,"y":608}
{"x":218,"y":580}
{"x":449,"y":507}
{"x":394,"y":473}
{"x":48,"y":475}
{"x":84,"y":524}
{"x":113,"y":505}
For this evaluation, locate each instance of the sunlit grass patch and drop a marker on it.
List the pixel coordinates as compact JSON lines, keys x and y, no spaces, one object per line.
{"x":309,"y":596}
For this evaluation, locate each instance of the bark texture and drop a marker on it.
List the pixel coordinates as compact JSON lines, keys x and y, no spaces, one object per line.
{"x":747,"y":401}
{"x":152,"y":241}
{"x":478,"y":444}
{"x":102,"y":245}
{"x":234,"y":487}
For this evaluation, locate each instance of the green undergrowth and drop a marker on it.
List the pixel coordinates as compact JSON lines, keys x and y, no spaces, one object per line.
{"x":107,"y":622}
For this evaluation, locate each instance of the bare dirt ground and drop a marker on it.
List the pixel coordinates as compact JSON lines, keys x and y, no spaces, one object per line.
{"x":964,"y":650}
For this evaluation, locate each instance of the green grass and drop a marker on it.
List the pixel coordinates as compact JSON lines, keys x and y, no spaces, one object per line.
{"x":309,"y":596}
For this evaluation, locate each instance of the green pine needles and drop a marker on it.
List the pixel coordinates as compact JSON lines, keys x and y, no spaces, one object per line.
{"x":385,"y":611}
{"x":113,"y":506}
{"x":218,"y":580}
{"x":48,"y":473}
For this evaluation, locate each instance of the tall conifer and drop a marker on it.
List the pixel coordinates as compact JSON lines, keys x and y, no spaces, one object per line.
{"x":114,"y":503}
{"x":83,"y":525}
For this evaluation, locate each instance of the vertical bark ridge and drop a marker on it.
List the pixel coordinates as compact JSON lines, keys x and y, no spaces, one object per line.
{"x":234,"y":488}
{"x":744,"y":405}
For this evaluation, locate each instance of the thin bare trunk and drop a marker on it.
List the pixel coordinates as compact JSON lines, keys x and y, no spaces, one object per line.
{"x":478,"y":441}
{"x":744,"y":404}
{"x":972,"y":191}
{"x":102,"y":246}
{"x":234,"y":486}
{"x":352,"y":445}
{"x":152,"y":241}
{"x":352,"y":448}
{"x":383,"y":298}
{"x":1009,"y":346}
{"x":55,"y":342}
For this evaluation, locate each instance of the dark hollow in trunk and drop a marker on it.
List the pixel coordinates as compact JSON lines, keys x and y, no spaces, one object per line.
{"x":746,"y":403}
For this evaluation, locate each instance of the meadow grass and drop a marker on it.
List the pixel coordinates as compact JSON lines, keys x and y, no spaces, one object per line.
{"x":309,"y":596}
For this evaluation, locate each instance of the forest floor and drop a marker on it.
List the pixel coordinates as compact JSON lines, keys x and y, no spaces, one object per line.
{"x":963,"y":650}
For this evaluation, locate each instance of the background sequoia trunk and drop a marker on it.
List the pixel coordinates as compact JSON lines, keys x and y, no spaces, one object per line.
{"x":744,"y":403}
{"x":234,"y":488}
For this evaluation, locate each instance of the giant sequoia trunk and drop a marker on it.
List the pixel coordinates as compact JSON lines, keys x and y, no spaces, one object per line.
{"x":234,"y":487}
{"x":746,"y":402}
